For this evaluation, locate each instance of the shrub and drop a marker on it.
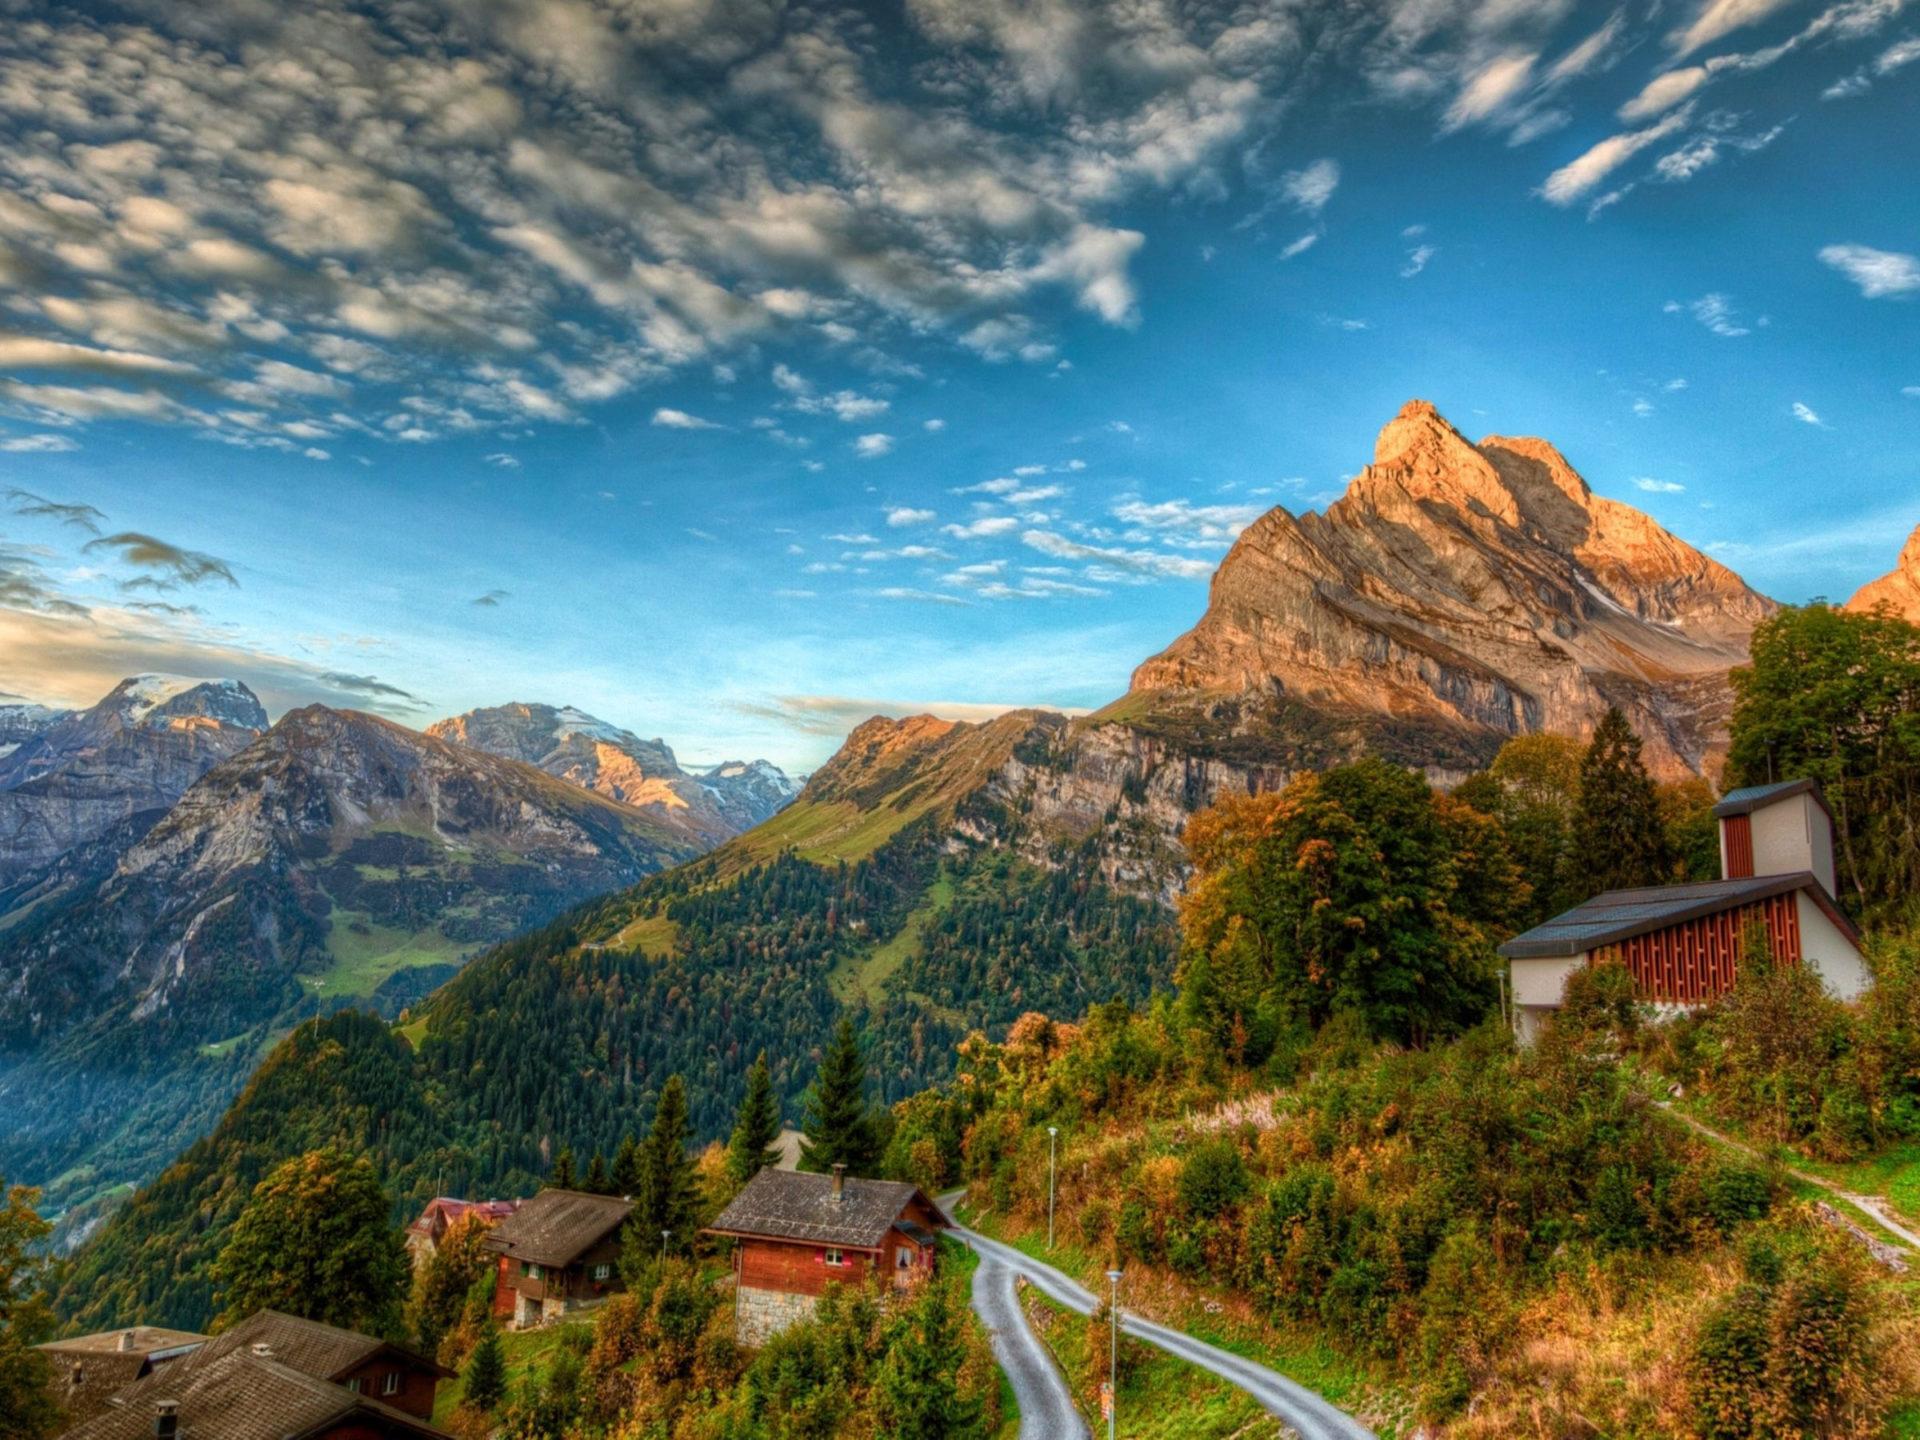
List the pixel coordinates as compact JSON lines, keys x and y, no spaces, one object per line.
{"x":1736,"y":1191}
{"x":1214,"y":1179}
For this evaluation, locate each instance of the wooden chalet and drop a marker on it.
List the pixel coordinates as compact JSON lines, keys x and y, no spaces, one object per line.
{"x":89,"y":1370}
{"x":800,"y":1233}
{"x":426,"y":1231}
{"x":275,"y":1377}
{"x":1683,"y":943}
{"x":559,"y":1250}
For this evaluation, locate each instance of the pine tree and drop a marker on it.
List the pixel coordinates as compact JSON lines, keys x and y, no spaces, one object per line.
{"x":563,"y":1177}
{"x":838,"y":1128}
{"x":919,"y":1381}
{"x":487,"y":1372}
{"x":669,"y":1193}
{"x":1618,"y":833}
{"x":597,"y":1182}
{"x":750,"y":1149}
{"x":626,"y":1168}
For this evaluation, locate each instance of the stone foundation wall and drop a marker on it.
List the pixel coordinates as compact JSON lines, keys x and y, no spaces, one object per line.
{"x":765,"y":1313}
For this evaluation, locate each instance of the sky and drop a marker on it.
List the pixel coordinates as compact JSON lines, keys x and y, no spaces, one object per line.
{"x":735,"y":370}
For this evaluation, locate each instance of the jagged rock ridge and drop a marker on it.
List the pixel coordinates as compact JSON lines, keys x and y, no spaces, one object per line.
{"x":73,"y":779}
{"x":1898,"y":589}
{"x":706,"y":807}
{"x":1459,"y":594}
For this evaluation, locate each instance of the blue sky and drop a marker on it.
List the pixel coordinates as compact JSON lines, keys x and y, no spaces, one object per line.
{"x":734,"y":370}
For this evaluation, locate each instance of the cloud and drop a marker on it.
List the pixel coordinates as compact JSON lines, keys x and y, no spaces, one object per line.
{"x":1658,"y":487}
{"x":1577,"y":177}
{"x":925,"y":597}
{"x":503,"y":460}
{"x":1417,"y":259}
{"x":1806,"y":416}
{"x":1878,"y":273}
{"x":983,"y":528}
{"x":933,"y":426}
{"x":29,"y":352}
{"x":1716,"y":312}
{"x":1311,"y":187}
{"x":38,"y":444}
{"x":834,"y":715}
{"x":82,"y":517}
{"x":902,"y":515}
{"x":1717,"y":19}
{"x":1140,"y":562}
{"x":1299,"y":247}
{"x":372,"y":687}
{"x":492,"y":598}
{"x":1181,"y":522}
{"x":671,"y":419}
{"x":1490,"y":88}
{"x":872,"y":447}
{"x":166,"y":565}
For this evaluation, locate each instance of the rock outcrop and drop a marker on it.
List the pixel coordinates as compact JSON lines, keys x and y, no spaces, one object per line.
{"x":1899,"y":589}
{"x":1458,"y":594}
{"x":706,"y":808}
{"x":77,"y":776}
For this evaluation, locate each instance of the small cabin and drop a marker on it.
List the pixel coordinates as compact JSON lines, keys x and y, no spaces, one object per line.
{"x":558,"y":1251}
{"x":441,"y":1214}
{"x":1683,"y":943}
{"x":799,"y":1233}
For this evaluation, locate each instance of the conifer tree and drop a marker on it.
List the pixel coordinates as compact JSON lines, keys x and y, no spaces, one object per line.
{"x":563,"y":1177}
{"x":487,"y":1372}
{"x":838,"y":1128}
{"x":597,"y":1182}
{"x":669,"y":1194}
{"x":1618,"y":832}
{"x":919,"y":1381}
{"x":626,"y":1168}
{"x":750,"y":1149}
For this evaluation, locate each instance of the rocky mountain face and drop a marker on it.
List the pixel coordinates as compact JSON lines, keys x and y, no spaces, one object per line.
{"x":70,"y":779}
{"x":22,"y":722}
{"x":338,"y":859}
{"x":1899,"y":588}
{"x":1459,"y":594}
{"x":704,"y":807}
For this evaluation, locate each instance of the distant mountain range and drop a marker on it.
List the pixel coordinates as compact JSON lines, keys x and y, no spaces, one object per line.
{"x":183,"y":883}
{"x":935,"y":877}
{"x":1898,"y":589}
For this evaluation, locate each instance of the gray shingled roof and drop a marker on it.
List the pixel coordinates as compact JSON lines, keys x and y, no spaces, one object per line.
{"x":1752,"y":797}
{"x":789,"y":1205}
{"x":1622,"y":914}
{"x":557,"y":1227}
{"x":243,"y":1397}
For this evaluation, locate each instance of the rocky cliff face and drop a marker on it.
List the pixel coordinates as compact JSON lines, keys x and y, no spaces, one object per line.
{"x":705,"y":808}
{"x":1899,"y":589}
{"x":1458,"y":594}
{"x":70,"y":780}
{"x":20,"y":723}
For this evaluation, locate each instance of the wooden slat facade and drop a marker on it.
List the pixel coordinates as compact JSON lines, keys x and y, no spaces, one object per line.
{"x":1693,"y":962}
{"x":1738,"y":844}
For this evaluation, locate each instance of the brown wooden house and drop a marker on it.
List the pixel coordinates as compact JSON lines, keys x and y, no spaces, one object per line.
{"x":559,"y":1250}
{"x":426,"y":1231}
{"x":274,"y":1376}
{"x":799,"y":1233}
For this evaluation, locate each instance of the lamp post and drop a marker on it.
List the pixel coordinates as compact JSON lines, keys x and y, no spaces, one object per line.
{"x":665,"y":1235}
{"x":1053,"y":1132}
{"x":1113,"y":1358}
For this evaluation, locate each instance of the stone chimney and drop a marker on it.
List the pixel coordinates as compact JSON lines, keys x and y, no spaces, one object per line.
{"x":166,"y":1419}
{"x":126,"y":1340}
{"x":839,"y":1183}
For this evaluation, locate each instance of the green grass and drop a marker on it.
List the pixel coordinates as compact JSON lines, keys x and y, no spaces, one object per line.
{"x":526,"y":1352}
{"x":414,"y":1031}
{"x":360,"y":961}
{"x":1161,"y":1397}
{"x":868,"y":974}
{"x":1903,"y":1421}
{"x":1894,"y":1174}
{"x":654,"y":936}
{"x":218,"y":1049}
{"x":827,"y":831}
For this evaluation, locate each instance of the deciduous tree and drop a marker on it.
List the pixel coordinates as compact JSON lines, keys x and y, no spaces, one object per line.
{"x":27,"y":1411}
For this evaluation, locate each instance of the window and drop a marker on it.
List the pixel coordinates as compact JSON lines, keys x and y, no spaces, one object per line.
{"x":602,"y":1272}
{"x":354,"y":1385}
{"x":834,"y":1257}
{"x":390,"y":1383}
{"x":903,"y":1258}
{"x":530,"y":1270}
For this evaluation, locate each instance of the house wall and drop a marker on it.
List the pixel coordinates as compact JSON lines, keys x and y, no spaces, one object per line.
{"x":1840,"y":965}
{"x":1792,"y":835}
{"x":761,"y":1314}
{"x":1539,"y":983}
{"x":798,"y":1269}
{"x":415,"y":1395}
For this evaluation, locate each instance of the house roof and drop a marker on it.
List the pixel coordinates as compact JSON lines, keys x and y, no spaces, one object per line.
{"x":557,"y":1227}
{"x":789,"y":1205}
{"x":141,"y":1340}
{"x":241,"y":1396}
{"x":1753,"y":797}
{"x":443,"y":1210}
{"x":1621,"y":915}
{"x":84,"y":1381}
{"x":325,"y":1352}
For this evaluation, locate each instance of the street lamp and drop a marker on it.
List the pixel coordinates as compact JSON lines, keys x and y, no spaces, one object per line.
{"x":1113,"y":1359}
{"x":665,"y":1235}
{"x":1053,"y":1132}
